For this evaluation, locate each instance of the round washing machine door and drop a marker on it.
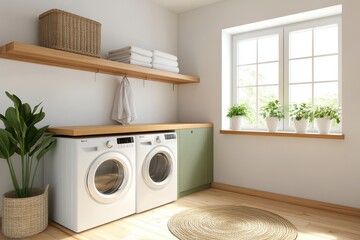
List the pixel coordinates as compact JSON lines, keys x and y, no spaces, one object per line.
{"x":158,"y":167}
{"x":109,"y":177}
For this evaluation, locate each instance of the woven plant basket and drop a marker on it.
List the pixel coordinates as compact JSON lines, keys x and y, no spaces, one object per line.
{"x":24,"y":217}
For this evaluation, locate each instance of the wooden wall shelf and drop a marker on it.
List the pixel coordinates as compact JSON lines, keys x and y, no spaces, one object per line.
{"x":41,"y":55}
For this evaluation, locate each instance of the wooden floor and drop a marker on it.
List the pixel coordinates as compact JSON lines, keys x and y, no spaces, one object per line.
{"x":312,"y":224}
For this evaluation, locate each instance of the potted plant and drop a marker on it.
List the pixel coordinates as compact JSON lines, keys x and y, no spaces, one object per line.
{"x":272,"y":112}
{"x":236,"y":114}
{"x":22,"y":141}
{"x":323,"y":117}
{"x":301,"y":114}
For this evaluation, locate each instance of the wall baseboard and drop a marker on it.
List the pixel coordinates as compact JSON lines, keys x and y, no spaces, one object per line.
{"x":289,"y":199}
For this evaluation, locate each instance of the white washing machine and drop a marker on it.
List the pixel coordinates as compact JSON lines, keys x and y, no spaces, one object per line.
{"x":156,"y":170}
{"x":92,"y":180}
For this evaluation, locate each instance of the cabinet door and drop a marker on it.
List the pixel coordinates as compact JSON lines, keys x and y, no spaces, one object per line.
{"x":193,"y":158}
{"x":210,"y":159}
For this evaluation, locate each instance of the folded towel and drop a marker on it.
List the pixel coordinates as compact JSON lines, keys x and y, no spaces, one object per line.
{"x":165,"y":55}
{"x":165,"y":68}
{"x":127,"y":52}
{"x":135,"y":62}
{"x":123,"y":108}
{"x":164,"y":61}
{"x":133,"y":56}
{"x":131,"y":49}
{"x":139,"y":63}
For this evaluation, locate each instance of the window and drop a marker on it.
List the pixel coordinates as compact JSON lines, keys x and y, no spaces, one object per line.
{"x":294,"y":63}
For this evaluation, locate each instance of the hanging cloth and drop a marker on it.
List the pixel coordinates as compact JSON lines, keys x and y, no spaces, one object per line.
{"x":123,"y":108}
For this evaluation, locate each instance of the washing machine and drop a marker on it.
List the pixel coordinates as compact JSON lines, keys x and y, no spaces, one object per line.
{"x":156,"y":170}
{"x":92,"y":180}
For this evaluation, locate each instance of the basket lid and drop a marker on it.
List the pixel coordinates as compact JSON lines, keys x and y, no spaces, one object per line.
{"x":51,"y":11}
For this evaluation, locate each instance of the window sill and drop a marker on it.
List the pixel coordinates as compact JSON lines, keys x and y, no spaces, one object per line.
{"x":285,"y":134}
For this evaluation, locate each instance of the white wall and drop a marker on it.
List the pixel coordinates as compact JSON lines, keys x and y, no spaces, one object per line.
{"x":72,"y":97}
{"x":318,"y":169}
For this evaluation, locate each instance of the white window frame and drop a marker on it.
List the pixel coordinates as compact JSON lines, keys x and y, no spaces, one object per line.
{"x":283,"y":32}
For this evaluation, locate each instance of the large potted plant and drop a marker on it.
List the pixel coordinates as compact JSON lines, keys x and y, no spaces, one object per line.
{"x":25,"y":209}
{"x":301,"y":114}
{"x":236,"y":114}
{"x":272,"y":112}
{"x":323,"y":117}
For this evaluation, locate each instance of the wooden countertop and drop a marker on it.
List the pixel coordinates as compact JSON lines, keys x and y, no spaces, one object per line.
{"x":115,"y":129}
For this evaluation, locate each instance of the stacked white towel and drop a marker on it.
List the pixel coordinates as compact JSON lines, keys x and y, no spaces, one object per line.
{"x":132,"y":55}
{"x":165,"y":61}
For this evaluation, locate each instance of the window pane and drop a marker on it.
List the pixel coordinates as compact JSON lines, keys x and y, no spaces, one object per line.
{"x":268,"y":48}
{"x":247,"y":51}
{"x":247,"y":95}
{"x":300,"y":43}
{"x":267,"y":94}
{"x":300,"y":70}
{"x":300,"y":93}
{"x":326,"y":68}
{"x":326,"y":93}
{"x":247,"y":75}
{"x":326,"y":40}
{"x":268,"y":73}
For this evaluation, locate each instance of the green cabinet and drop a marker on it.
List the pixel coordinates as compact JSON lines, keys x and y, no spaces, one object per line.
{"x":195,"y":159}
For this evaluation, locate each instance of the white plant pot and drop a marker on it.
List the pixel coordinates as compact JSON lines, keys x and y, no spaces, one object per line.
{"x":323,"y":125}
{"x":301,"y":125}
{"x":272,"y":123}
{"x":235,"y":122}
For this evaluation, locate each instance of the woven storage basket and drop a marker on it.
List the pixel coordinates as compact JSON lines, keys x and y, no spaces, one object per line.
{"x":69,"y":32}
{"x":24,"y":217}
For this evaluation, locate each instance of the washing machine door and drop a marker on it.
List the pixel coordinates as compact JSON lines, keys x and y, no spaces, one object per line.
{"x":109,"y":177}
{"x":158,"y":167}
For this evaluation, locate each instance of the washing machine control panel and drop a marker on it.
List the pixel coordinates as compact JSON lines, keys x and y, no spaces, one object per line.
{"x":109,"y":144}
{"x":151,"y":140}
{"x":170,"y":136}
{"x":119,"y":142}
{"x":124,"y":140}
{"x":165,"y":138}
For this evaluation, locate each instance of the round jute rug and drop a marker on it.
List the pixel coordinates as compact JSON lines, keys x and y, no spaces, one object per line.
{"x":230,"y":222}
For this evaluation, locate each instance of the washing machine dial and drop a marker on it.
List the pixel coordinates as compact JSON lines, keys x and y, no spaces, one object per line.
{"x":109,"y":144}
{"x":158,"y":140}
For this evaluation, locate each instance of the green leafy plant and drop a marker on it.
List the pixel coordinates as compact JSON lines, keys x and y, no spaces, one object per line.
{"x":327,"y":112}
{"x":238,"y":110}
{"x":22,"y":137}
{"x":301,"y":111}
{"x":272,"y":109}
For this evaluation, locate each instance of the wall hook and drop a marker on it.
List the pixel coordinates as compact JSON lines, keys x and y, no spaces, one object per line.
{"x":95,"y":75}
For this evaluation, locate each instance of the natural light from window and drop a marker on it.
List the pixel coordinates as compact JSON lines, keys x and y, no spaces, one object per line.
{"x":292,"y":63}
